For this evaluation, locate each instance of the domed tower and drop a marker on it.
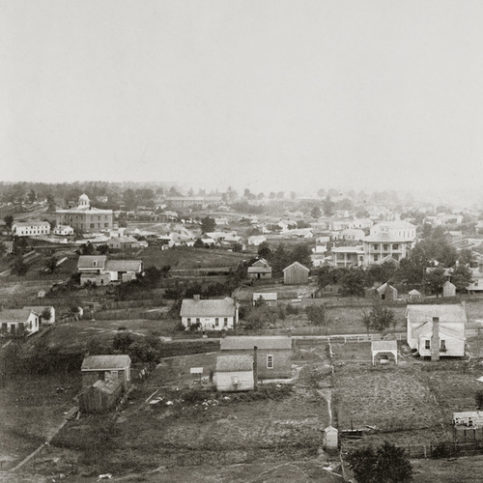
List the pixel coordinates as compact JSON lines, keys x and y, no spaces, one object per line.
{"x":84,"y":201}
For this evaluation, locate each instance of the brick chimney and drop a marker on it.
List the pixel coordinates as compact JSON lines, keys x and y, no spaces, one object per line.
{"x":196,"y":297}
{"x":255,"y":367}
{"x":435,"y":342}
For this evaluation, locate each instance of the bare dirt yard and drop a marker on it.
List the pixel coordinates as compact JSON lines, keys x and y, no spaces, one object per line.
{"x":408,"y":404}
{"x":168,"y":432}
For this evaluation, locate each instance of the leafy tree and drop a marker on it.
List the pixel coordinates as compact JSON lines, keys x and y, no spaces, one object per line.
{"x":316,"y":314}
{"x":208,"y":224}
{"x":479,"y":399}
{"x":388,"y":464}
{"x":87,"y":249}
{"x":264,"y":251}
{"x":315,"y":212}
{"x":326,"y":276}
{"x":352,"y":283}
{"x":19,"y":266}
{"x":328,"y":206}
{"x":237,"y":247}
{"x":50,"y":203}
{"x":258,"y":317}
{"x":461,"y":277}
{"x":380,"y":318}
{"x":435,"y":280}
{"x":103,"y":249}
{"x":51,"y":264}
{"x":380,"y":272}
{"x":3,"y":249}
{"x":31,"y":196}
{"x":466,"y":257}
{"x":8,"y":221}
{"x":198,"y":243}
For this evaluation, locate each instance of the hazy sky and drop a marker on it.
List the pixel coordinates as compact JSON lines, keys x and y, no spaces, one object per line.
{"x":291,"y":95}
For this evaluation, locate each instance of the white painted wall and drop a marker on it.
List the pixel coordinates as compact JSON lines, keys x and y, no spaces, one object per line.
{"x":234,"y":381}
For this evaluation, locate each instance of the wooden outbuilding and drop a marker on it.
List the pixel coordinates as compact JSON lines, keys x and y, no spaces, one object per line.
{"x":295,"y":274}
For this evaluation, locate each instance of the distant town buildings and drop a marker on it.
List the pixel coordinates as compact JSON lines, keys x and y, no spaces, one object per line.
{"x":209,"y":314}
{"x":31,"y":228}
{"x":389,"y":240}
{"x":84,"y":217}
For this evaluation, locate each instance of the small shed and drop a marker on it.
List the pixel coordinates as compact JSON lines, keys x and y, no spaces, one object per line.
{"x":260,"y":270}
{"x":449,"y":289}
{"x":414,"y":295}
{"x":387,"y":292}
{"x":380,"y":349}
{"x":269,"y":297}
{"x":331,"y":438}
{"x":295,"y":274}
{"x":106,"y":368}
{"x":234,"y":373}
{"x":100,"y":396}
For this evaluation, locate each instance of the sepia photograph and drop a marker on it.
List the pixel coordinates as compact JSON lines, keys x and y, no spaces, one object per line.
{"x":241,"y":241}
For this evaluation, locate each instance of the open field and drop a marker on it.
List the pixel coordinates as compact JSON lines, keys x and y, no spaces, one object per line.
{"x":194,"y":438}
{"x":409,"y":404}
{"x":191,"y":258}
{"x":31,"y":408}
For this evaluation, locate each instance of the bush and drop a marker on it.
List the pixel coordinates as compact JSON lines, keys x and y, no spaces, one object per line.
{"x":292,"y":310}
{"x":194,"y":396}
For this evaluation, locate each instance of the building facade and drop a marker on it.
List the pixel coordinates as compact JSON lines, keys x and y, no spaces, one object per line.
{"x":210,"y":314}
{"x":84,"y":217}
{"x":344,"y":257}
{"x":31,"y":228}
{"x":389,"y":240}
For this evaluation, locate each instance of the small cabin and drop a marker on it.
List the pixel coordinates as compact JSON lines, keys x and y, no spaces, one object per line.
{"x":295,"y":274}
{"x":234,"y":372}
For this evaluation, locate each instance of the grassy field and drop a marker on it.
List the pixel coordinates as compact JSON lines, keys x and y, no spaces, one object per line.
{"x":410,"y":404}
{"x":186,"y":258}
{"x":31,"y":408}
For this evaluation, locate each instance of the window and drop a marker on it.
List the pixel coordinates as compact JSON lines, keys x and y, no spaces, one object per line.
{"x":395,"y":246}
{"x":217,"y":320}
{"x":427,"y":344}
{"x":197,"y":320}
{"x":189,"y":320}
{"x":376,"y":258}
{"x":226,"y":321}
{"x":269,"y":361}
{"x":443,"y":346}
{"x":385,"y":247}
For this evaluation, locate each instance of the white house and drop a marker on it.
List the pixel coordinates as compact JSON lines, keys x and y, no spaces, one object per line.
{"x":256,"y":240}
{"x":31,"y":228}
{"x":392,"y":239}
{"x":18,"y":322}
{"x":63,"y":230}
{"x":436,"y":330}
{"x":210,"y":314}
{"x":234,"y":373}
{"x":260,"y":270}
{"x":46,"y":313}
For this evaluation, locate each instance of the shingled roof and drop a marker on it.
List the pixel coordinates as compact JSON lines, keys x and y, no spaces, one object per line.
{"x":234,"y":363}
{"x":91,"y":261}
{"x":124,"y":265}
{"x":261,"y":342}
{"x":106,"y":363}
{"x":208,"y":308}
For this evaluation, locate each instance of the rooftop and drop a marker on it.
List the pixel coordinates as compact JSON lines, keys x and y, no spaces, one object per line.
{"x":104,"y":363}
{"x":261,"y":342}
{"x":296,"y":265}
{"x":124,"y":265}
{"x":208,"y":308}
{"x":14,"y":315}
{"x":91,"y":261}
{"x":230,"y":363}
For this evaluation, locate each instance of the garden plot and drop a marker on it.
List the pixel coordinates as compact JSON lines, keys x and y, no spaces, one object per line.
{"x":387,"y":399}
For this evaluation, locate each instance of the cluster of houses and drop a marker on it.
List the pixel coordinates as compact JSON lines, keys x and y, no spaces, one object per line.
{"x":101,"y":270}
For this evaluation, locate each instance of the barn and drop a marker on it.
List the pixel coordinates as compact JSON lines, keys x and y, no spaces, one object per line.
{"x":295,"y":274}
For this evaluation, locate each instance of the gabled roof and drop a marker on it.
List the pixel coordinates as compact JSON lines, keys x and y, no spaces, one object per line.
{"x":261,"y":342}
{"x":384,"y":287}
{"x":296,"y":265}
{"x":447,"y":313}
{"x":92,"y":261}
{"x":15,"y":315}
{"x":384,"y":345}
{"x":234,"y":363}
{"x":208,"y":308}
{"x":106,"y":362}
{"x":124,"y":265}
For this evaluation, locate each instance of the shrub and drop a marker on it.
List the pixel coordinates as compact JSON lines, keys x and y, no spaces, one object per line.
{"x":194,"y":395}
{"x":292,"y":310}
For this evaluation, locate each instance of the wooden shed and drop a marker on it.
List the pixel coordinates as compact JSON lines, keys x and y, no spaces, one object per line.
{"x":100,"y":396}
{"x":387,"y":292}
{"x":295,"y":274}
{"x":449,"y":289}
{"x":106,"y":368}
{"x":234,"y":372}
